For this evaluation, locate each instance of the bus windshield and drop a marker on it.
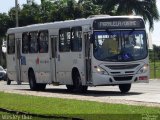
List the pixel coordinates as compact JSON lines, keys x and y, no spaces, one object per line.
{"x":120,"y":46}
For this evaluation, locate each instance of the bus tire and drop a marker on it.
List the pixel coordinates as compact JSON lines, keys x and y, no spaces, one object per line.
{"x":78,"y":87}
{"x":70,"y":88}
{"x":32,"y":83}
{"x":41,"y":86}
{"x":124,"y":88}
{"x":8,"y":81}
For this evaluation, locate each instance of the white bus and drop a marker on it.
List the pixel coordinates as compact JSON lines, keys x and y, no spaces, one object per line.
{"x":97,"y":51}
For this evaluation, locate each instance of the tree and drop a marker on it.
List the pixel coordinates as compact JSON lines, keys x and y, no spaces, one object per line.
{"x":12,"y":15}
{"x":46,"y":9}
{"x":89,"y":8}
{"x":29,"y":14}
{"x":145,"y":8}
{"x":5,"y":23}
{"x":65,"y":10}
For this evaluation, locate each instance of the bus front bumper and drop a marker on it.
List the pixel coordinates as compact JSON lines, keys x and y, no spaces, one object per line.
{"x":102,"y":79}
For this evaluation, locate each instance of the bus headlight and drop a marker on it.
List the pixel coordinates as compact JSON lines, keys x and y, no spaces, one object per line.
{"x":101,"y":70}
{"x":144,"y":69}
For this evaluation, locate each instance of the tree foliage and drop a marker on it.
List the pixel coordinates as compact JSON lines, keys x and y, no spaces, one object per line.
{"x":5,"y":23}
{"x":145,"y":8}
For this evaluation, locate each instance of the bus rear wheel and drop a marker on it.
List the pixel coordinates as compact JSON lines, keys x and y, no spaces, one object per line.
{"x":33,"y":85}
{"x":124,"y":88}
{"x":41,"y":86}
{"x":78,"y":87}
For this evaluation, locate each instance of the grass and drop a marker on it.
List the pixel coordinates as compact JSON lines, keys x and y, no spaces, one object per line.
{"x":155,"y":73}
{"x":73,"y":108}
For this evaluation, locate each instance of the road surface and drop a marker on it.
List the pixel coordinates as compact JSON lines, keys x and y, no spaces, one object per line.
{"x":147,"y":94}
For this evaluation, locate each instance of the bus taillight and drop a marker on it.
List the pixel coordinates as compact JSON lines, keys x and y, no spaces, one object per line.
{"x":143,"y":78}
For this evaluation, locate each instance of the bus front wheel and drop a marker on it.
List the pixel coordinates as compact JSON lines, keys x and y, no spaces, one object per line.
{"x":124,"y":88}
{"x":8,"y":81}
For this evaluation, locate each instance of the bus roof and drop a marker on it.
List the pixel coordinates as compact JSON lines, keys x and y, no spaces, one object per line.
{"x":64,"y":24}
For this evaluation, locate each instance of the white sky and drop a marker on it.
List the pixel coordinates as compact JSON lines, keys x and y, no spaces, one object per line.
{"x":156,"y":32}
{"x":7,"y":4}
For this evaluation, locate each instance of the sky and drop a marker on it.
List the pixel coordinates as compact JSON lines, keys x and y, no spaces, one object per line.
{"x":155,"y":35}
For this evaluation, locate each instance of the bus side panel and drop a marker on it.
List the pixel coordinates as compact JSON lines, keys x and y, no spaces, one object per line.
{"x":53,"y":43}
{"x":24,"y":68}
{"x":64,"y":67}
{"x":44,"y":68}
{"x":11,"y":67}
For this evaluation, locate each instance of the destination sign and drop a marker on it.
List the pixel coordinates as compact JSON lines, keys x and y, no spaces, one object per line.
{"x":118,"y":23}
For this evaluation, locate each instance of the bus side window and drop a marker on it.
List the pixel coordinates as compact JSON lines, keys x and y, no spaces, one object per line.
{"x":25,"y":43}
{"x":33,"y":37}
{"x":64,"y":40}
{"x":43,"y":41}
{"x":76,"y":42}
{"x":11,"y":44}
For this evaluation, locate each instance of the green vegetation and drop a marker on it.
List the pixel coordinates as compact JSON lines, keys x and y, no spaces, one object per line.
{"x":72,"y":108}
{"x":154,"y":72}
{"x":154,"y":57}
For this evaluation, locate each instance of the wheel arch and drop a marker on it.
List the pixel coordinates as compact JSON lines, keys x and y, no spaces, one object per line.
{"x":74,"y":72}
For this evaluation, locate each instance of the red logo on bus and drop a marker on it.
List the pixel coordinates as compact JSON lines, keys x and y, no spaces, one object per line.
{"x":37,"y":60}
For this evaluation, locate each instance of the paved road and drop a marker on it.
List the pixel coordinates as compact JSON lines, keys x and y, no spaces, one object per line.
{"x":141,"y":93}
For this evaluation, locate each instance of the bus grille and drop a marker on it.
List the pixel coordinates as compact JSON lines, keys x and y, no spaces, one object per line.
{"x":118,"y":67}
{"x":124,"y":78}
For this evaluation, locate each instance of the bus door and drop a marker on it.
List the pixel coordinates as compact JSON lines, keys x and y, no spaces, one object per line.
{"x":18,"y":60}
{"x":53,"y":41}
{"x":11,"y":61}
{"x":87,"y":57}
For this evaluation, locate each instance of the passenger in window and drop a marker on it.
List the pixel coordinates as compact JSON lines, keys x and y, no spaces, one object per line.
{"x":43,"y":42}
{"x":25,"y":44}
{"x":127,"y":49}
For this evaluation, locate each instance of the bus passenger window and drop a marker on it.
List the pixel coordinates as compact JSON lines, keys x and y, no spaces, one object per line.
{"x":76,"y":42}
{"x":64,"y":40}
{"x":11,"y":44}
{"x":43,"y":42}
{"x":33,"y":48}
{"x":25,"y":43}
